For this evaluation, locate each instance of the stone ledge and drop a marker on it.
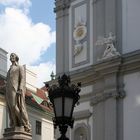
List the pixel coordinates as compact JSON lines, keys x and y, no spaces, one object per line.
{"x":16,"y":133}
{"x":82,"y":114}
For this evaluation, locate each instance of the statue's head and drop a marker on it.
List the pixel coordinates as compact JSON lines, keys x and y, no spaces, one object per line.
{"x":15,"y":56}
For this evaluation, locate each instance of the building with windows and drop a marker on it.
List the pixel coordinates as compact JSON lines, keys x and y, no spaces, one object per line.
{"x":98,"y":45}
{"x":38,"y":107}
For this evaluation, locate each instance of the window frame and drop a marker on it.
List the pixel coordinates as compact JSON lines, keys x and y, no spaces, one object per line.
{"x":38,"y":127}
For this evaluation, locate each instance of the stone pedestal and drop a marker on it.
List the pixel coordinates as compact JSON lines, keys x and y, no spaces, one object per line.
{"x":17,"y":133}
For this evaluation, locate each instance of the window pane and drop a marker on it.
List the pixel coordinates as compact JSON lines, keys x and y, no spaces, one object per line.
{"x":38,"y":127}
{"x":68,"y":106}
{"x":58,"y":106}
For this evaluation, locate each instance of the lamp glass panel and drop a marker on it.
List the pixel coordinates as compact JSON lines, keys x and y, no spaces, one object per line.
{"x":58,"y":106}
{"x":68,"y":106}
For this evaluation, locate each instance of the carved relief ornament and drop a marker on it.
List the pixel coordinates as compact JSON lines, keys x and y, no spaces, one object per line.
{"x":79,"y":34}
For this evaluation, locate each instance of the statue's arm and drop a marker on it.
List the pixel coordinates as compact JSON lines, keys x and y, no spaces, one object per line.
{"x":22,"y":78}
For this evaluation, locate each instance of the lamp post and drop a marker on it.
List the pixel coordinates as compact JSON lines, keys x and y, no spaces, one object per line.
{"x":63,"y":97}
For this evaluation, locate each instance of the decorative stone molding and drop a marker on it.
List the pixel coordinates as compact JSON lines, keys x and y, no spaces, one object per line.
{"x":79,"y":34}
{"x":16,"y":133}
{"x":109,"y":75}
{"x":104,"y":96}
{"x":61,"y":5}
{"x":82,"y":114}
{"x":84,"y":126}
{"x":78,"y":49}
{"x":95,"y":1}
{"x":108,"y":67}
{"x":130,"y":62}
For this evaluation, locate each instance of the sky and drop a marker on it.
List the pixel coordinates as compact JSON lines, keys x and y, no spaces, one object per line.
{"x":27,"y":28}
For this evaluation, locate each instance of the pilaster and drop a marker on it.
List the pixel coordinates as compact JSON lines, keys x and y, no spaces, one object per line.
{"x":62,"y":24}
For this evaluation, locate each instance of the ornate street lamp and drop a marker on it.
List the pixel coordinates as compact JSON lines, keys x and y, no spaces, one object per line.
{"x":64,"y":97}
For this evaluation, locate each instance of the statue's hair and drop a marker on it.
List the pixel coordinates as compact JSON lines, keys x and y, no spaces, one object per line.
{"x":17,"y":58}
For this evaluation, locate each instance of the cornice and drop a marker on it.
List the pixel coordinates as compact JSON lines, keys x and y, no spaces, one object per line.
{"x":2,"y":77}
{"x":130,"y":62}
{"x":127,"y":63}
{"x":32,"y":110}
{"x":109,"y":66}
{"x":96,"y":72}
{"x":82,"y":114}
{"x":61,"y":5}
{"x":85,"y":97}
{"x":111,"y":93}
{"x":5,"y":52}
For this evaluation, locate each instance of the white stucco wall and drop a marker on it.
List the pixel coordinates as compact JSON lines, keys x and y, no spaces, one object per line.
{"x":2,"y":118}
{"x":131,"y":25}
{"x":86,"y":104}
{"x":47,"y":128}
{"x":82,"y":106}
{"x":31,"y":79}
{"x":131,"y":107}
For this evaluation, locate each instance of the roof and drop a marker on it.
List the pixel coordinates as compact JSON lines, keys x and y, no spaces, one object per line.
{"x":2,"y":83}
{"x":3,"y":51}
{"x":37,"y":98}
{"x":44,"y":88}
{"x":42,"y":94}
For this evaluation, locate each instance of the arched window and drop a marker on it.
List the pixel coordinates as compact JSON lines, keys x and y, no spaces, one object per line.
{"x":81,"y":132}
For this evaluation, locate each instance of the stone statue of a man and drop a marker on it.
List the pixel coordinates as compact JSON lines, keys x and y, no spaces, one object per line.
{"x":15,"y":95}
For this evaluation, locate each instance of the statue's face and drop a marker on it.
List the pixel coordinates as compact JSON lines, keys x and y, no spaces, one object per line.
{"x":13,"y":57}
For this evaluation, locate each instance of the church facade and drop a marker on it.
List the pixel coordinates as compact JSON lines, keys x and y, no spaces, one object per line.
{"x":97,"y":44}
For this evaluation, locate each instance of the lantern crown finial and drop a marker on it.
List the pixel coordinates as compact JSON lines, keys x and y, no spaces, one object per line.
{"x":64,"y":80}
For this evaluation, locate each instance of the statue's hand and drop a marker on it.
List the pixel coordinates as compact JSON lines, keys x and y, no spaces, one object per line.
{"x":19,"y":92}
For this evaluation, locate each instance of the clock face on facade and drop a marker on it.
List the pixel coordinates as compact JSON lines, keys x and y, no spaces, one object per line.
{"x":80,"y":32}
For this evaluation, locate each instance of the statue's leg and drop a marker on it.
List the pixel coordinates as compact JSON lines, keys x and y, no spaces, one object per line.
{"x":25,"y":118}
{"x":13,"y":108}
{"x":9,"y":108}
{"x":10,"y":117}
